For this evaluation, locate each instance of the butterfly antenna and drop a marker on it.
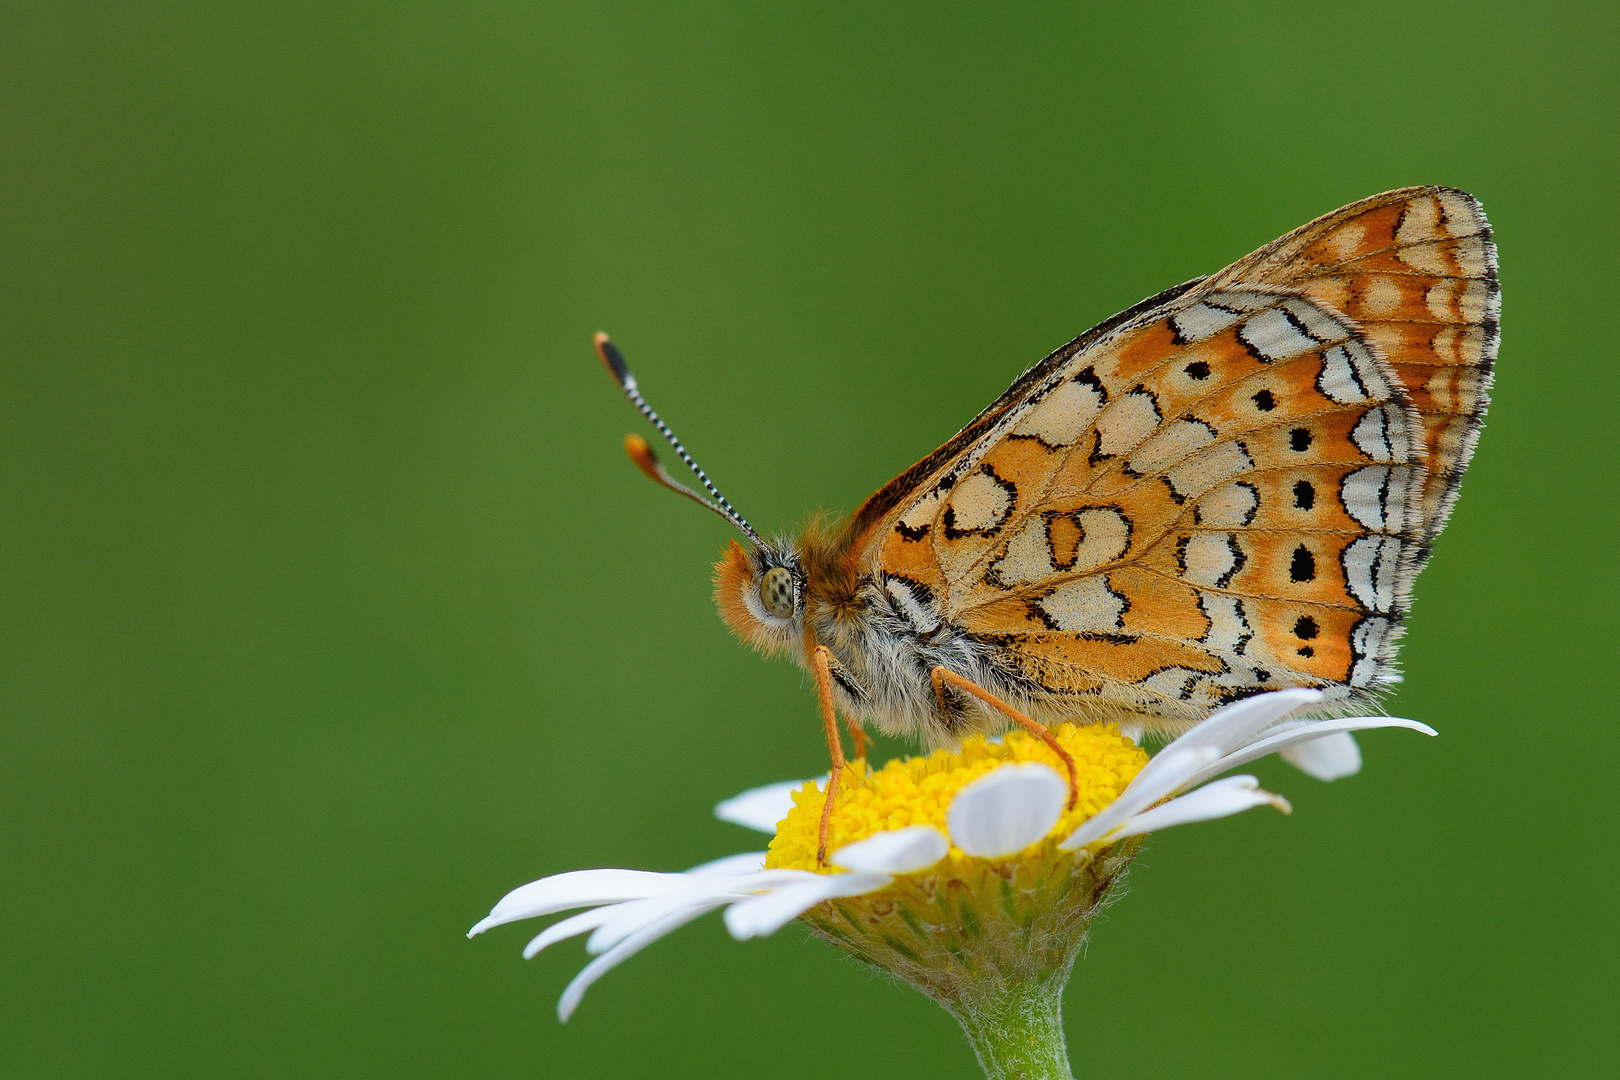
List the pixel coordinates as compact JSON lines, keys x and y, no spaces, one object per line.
{"x":642,"y":455}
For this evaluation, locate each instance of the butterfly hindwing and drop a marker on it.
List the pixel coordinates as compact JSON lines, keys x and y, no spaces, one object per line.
{"x":1416,"y":269}
{"x":1220,"y":495}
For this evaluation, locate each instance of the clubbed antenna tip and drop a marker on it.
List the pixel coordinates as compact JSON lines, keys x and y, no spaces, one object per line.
{"x":614,"y":359}
{"x":639,"y":452}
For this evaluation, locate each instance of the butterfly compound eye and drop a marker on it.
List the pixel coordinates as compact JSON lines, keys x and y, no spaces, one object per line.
{"x":776,"y":592}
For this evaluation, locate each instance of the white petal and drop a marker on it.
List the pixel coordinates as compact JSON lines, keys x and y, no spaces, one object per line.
{"x":765,"y":915}
{"x":577,"y":888}
{"x":895,"y":851}
{"x":1235,"y":726}
{"x":573,"y":926}
{"x":1223,"y":798}
{"x":760,"y":808}
{"x":626,"y":919}
{"x":634,"y":914}
{"x":1305,"y":732}
{"x":1327,"y":757}
{"x":622,"y":952}
{"x":1176,"y":767}
{"x":1191,"y":758}
{"x":1007,"y":809}
{"x":731,"y":864}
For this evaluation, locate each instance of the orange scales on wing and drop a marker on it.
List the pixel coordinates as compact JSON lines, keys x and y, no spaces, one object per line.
{"x":1173,"y":424}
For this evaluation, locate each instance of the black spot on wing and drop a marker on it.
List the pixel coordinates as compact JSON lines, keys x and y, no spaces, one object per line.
{"x":1303,"y":566}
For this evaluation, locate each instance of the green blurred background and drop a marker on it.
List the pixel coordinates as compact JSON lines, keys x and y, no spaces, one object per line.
{"x":330,"y":609}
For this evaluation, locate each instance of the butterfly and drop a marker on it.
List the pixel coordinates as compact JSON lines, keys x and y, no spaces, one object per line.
{"x":1225,"y":489}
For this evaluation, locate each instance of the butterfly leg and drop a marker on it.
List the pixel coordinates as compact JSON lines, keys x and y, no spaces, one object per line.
{"x":944,"y":677}
{"x":821,"y":662}
{"x":857,"y":733}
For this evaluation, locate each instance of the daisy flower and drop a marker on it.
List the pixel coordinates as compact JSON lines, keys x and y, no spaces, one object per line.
{"x":962,"y":872}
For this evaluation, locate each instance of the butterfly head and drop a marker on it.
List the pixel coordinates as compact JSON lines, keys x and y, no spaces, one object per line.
{"x":760,"y":591}
{"x":760,"y":588}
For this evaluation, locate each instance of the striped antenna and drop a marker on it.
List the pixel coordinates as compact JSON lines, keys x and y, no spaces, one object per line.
{"x":642,"y":455}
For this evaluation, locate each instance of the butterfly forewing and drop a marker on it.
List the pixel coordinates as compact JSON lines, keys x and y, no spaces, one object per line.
{"x":1221,"y":495}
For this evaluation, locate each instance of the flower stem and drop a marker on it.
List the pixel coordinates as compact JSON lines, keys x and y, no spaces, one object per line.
{"x":1016,"y":1029}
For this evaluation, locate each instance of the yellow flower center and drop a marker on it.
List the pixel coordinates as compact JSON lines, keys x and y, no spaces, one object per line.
{"x":919,"y":790}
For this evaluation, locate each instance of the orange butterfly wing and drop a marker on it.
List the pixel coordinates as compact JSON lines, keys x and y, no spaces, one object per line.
{"x":1416,"y":268}
{"x":1220,"y":491}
